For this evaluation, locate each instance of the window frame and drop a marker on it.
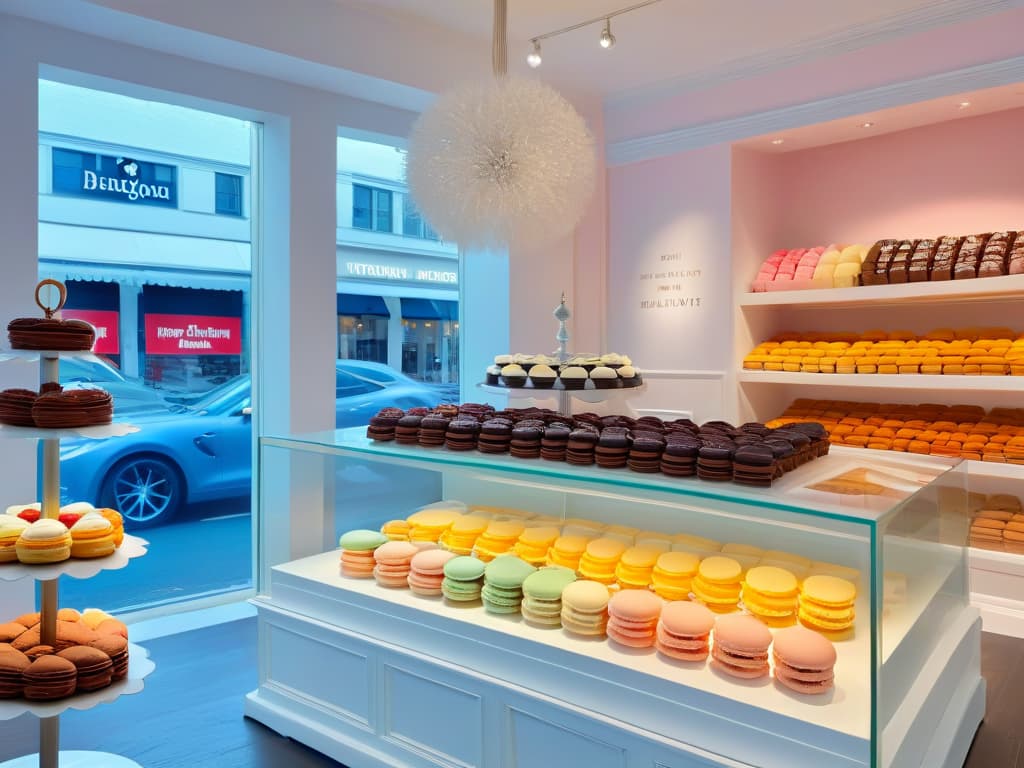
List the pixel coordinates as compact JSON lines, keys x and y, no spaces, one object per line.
{"x":376,"y":194}
{"x":217,"y":194}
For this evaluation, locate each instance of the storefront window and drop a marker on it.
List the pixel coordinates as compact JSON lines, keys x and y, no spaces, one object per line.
{"x":168,"y":294}
{"x":398,"y":297}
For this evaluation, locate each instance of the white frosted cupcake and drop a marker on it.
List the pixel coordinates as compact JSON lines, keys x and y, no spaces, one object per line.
{"x":629,"y":376}
{"x":543,"y":376}
{"x":493,"y":374}
{"x":503,"y":360}
{"x":513,"y":375}
{"x":604,"y":377}
{"x":573,"y":377}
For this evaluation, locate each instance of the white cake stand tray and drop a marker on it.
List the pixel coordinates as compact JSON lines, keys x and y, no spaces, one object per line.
{"x":76,"y":759}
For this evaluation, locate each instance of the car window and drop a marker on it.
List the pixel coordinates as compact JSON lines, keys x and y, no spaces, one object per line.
{"x":347,"y":385}
{"x":76,"y":370}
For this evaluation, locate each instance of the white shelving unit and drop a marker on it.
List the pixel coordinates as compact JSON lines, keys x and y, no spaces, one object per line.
{"x":917,"y":382}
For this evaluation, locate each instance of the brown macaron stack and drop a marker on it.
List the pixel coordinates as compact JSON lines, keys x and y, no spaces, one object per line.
{"x":50,"y":333}
{"x":407,"y":430}
{"x":612,"y":449}
{"x":95,"y":668}
{"x":461,"y":434}
{"x":12,"y":664}
{"x":116,"y":647}
{"x":73,"y":409}
{"x":526,"y":439}
{"x":382,"y":426}
{"x":555,"y":441}
{"x":49,"y":677}
{"x":16,"y":407}
{"x":645,"y":452}
{"x":433,"y":429}
{"x":495,"y":436}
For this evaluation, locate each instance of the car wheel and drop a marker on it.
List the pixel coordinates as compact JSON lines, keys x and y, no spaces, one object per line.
{"x":146,"y":490}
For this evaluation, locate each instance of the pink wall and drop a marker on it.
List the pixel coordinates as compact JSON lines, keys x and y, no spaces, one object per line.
{"x":676,"y":205}
{"x":951,"y":178}
{"x":944,"y":49}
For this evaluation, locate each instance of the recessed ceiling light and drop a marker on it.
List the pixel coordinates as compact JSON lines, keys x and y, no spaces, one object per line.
{"x":866,"y":125}
{"x":777,"y":141}
{"x":964,"y":104}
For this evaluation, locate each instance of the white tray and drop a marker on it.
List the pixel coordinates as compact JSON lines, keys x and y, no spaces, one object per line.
{"x":586,"y":395}
{"x":32,"y":355}
{"x":139,"y":667}
{"x":116,"y":429}
{"x":77,"y":568}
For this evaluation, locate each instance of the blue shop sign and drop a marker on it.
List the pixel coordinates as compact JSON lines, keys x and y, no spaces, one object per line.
{"x":124,"y":179}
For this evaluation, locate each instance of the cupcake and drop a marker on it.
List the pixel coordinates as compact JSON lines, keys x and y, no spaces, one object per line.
{"x":604,"y":377}
{"x":612,"y":360}
{"x":493,"y":374}
{"x":543,"y":376}
{"x":513,"y":375}
{"x":573,"y":377}
{"x":629,"y":376}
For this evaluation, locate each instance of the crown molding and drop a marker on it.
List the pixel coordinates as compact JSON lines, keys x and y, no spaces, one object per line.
{"x":935,"y":14}
{"x":823,"y":110}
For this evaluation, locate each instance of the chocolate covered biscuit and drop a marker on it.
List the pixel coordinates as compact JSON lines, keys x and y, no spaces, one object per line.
{"x":994,"y":259}
{"x":968,"y":258}
{"x":945,"y":258}
{"x":900,"y":264}
{"x":921,"y":261}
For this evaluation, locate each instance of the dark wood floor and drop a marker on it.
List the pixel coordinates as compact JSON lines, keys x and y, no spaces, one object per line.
{"x":190,"y":715}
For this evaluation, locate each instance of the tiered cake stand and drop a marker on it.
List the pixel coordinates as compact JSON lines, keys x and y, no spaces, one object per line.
{"x":617,"y":398}
{"x":139,"y":664}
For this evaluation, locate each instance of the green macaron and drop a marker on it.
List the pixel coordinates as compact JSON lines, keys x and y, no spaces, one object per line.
{"x":361,"y":540}
{"x":507,"y":572}
{"x":548,"y":583}
{"x":464,"y":568}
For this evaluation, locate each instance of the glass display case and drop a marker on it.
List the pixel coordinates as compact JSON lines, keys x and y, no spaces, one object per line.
{"x":357,"y":669}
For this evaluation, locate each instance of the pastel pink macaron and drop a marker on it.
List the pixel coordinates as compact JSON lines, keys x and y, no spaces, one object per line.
{"x":392,"y":563}
{"x":633,"y":618}
{"x":684,"y":630}
{"x":426,"y":571}
{"x":804,"y":660}
{"x":740,"y":646}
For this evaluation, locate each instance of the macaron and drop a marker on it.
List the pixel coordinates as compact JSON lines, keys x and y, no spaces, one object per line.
{"x":95,"y":668}
{"x":633,"y":618}
{"x":533,"y":544}
{"x":116,"y":520}
{"x":463,"y":533}
{"x":463,"y":579}
{"x":396,"y":530}
{"x":684,"y":631}
{"x":542,"y":595}
{"x":770,"y":594}
{"x":500,"y":537}
{"x":503,"y":583}
{"x":11,"y":528}
{"x":585,"y":608}
{"x":426,"y":571}
{"x":600,"y":558}
{"x":718,"y":583}
{"x":804,"y":660}
{"x":672,"y":576}
{"x":49,"y":677}
{"x":44,"y":541}
{"x":392,"y":563}
{"x":827,"y":603}
{"x":92,"y":536}
{"x":633,"y":571}
{"x":357,"y":552}
{"x":740,"y":647}
{"x":428,"y":524}
{"x":13,"y":663}
{"x":567,"y":551}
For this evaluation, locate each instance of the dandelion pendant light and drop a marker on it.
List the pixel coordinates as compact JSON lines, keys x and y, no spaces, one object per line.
{"x":506,"y":161}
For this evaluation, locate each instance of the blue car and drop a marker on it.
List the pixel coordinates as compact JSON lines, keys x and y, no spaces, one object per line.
{"x":203,"y":452}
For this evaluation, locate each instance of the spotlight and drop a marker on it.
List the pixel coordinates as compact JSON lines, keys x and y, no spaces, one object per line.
{"x":607,"y":38}
{"x":866,"y":125}
{"x":964,"y":104}
{"x":777,"y":141}
{"x":533,"y":57}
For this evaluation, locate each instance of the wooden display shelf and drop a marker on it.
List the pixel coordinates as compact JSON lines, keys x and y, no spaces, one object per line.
{"x":886,"y":381}
{"x":940,"y":292}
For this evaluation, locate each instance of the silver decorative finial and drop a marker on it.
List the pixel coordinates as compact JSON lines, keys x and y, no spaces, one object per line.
{"x":562,"y":314}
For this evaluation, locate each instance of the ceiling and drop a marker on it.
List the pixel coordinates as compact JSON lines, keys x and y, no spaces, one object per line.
{"x":904,"y":117}
{"x":684,"y":42}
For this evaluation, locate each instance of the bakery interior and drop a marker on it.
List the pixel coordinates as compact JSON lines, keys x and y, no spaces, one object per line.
{"x":739,"y":420}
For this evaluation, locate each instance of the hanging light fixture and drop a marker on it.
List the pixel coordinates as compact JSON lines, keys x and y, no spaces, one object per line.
{"x":607,"y":38}
{"x":533,"y":57}
{"x":504,"y":161}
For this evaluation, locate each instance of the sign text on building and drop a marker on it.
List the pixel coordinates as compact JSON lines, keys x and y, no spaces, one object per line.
{"x":193,"y":335}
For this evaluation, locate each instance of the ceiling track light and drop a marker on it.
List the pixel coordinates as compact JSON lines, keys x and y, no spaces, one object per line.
{"x":607,"y":39}
{"x":533,"y":58}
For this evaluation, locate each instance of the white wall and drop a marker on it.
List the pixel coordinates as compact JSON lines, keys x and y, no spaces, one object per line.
{"x":669,"y":277}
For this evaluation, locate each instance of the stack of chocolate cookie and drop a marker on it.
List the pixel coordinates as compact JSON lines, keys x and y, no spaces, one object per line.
{"x":56,"y":408}
{"x":751,"y":454}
